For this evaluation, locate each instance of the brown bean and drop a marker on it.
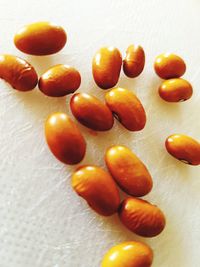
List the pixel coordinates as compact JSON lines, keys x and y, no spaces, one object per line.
{"x":128,"y":171}
{"x":98,"y":188}
{"x":60,"y":80}
{"x":18,"y":73}
{"x":127,"y":108}
{"x":134,"y":61}
{"x":141,"y":217}
{"x":40,"y":38}
{"x":64,"y":138}
{"x":183,"y":148}
{"x":169,"y":66}
{"x":91,"y":112}
{"x":175,"y":90}
{"x":106,"y":67}
{"x":128,"y":254}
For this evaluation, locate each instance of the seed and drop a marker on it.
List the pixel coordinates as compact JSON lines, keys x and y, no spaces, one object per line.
{"x":127,"y":107}
{"x":40,"y":38}
{"x":169,"y":66}
{"x":91,"y":112}
{"x":128,"y":254}
{"x":175,"y":90}
{"x":134,"y":61}
{"x":183,"y":148}
{"x":141,"y":217}
{"x":106,"y":67}
{"x":98,"y":188}
{"x":60,"y":80}
{"x":128,"y":171}
{"x":18,"y":73}
{"x":64,"y":138}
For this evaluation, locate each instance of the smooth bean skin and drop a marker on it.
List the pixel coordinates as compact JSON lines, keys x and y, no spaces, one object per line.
{"x":106,"y":67}
{"x":18,"y":73}
{"x":133,"y":64}
{"x":169,"y":66}
{"x":91,"y":112}
{"x":183,"y":148}
{"x":64,"y":138}
{"x":175,"y":90}
{"x":60,"y":80}
{"x":98,"y":188}
{"x":128,"y":171}
{"x":40,"y":38}
{"x":128,"y":254}
{"x":127,"y":108}
{"x":141,"y":217}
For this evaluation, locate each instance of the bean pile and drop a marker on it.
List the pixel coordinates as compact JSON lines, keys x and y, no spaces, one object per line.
{"x":125,"y":170}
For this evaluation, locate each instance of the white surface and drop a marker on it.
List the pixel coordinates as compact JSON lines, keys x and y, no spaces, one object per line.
{"x":43,"y":223}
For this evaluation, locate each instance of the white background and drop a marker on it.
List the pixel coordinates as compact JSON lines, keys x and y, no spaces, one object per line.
{"x":43,"y":223}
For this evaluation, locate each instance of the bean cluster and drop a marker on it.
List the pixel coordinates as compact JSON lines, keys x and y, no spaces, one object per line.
{"x":125,"y":170}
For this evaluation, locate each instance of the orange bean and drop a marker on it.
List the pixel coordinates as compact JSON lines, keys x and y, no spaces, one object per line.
{"x":18,"y":73}
{"x":98,"y":188}
{"x":64,"y":138}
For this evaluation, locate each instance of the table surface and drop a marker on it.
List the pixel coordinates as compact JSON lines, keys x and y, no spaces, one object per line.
{"x":43,"y":223}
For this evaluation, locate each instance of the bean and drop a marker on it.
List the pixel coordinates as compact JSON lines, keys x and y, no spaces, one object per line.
{"x":98,"y":188}
{"x":106,"y":67}
{"x":91,"y":112}
{"x":64,"y":138}
{"x":127,"y":108}
{"x":134,"y":61}
{"x":128,"y":171}
{"x":40,"y":38}
{"x":141,"y":217}
{"x":169,"y":66}
{"x":60,"y":80}
{"x":175,"y":90}
{"x":18,"y":73}
{"x":128,"y":254}
{"x":183,"y":148}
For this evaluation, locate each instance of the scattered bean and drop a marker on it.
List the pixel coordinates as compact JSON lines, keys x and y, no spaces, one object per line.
{"x":141,"y":217}
{"x":128,"y":171}
{"x":134,"y":61}
{"x":169,"y":66}
{"x":175,"y":90}
{"x":91,"y":112}
{"x":106,"y":67}
{"x":183,"y":148}
{"x":128,"y":254}
{"x":60,"y":80}
{"x":18,"y":73}
{"x":98,"y":188}
{"x":127,"y":108}
{"x":40,"y":38}
{"x":64,"y":138}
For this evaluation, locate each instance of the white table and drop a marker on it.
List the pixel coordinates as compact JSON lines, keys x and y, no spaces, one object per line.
{"x":43,"y":223}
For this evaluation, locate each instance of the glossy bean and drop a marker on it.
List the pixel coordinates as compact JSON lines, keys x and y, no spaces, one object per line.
{"x":40,"y":38}
{"x":128,"y":171}
{"x":169,"y":66}
{"x":183,"y":148}
{"x":98,"y":188}
{"x":127,"y":108}
{"x":91,"y":112}
{"x":18,"y":73}
{"x":106,"y":67}
{"x":128,"y":254}
{"x":60,"y":80}
{"x":134,"y":61}
{"x":64,"y":138}
{"x":141,"y":217}
{"x":175,"y":90}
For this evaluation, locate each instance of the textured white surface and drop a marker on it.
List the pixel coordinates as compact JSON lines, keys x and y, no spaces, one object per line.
{"x":43,"y":223}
